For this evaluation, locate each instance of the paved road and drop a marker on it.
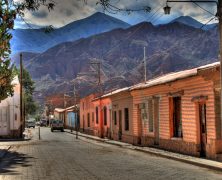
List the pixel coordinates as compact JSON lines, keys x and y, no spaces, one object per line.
{"x":60,"y":156}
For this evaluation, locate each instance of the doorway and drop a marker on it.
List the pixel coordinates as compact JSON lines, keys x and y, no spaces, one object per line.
{"x":203,"y":129}
{"x":156,"y":121}
{"x":120,"y":125}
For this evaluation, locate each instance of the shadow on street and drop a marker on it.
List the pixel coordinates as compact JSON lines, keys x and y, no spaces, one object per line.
{"x":13,"y":160}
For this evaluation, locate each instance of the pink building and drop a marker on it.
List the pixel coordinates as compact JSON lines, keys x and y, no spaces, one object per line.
{"x":179,"y":112}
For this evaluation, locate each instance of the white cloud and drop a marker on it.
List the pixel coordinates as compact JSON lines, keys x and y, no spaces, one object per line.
{"x":67,"y":11}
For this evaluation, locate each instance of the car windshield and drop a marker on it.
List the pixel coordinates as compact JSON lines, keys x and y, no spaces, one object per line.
{"x":57,"y":121}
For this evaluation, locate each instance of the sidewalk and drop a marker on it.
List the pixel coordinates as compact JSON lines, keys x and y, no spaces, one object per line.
{"x":158,"y":152}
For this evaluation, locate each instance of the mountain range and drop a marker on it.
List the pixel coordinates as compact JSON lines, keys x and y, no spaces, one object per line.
{"x":36,"y":40}
{"x":189,"y":21}
{"x":170,"y":47}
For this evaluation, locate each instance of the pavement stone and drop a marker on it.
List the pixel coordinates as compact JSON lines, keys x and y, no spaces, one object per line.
{"x":59,"y":155}
{"x":206,"y":163}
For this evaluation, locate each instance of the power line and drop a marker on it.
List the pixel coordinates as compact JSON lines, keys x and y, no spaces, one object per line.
{"x":202,"y":8}
{"x":207,"y":22}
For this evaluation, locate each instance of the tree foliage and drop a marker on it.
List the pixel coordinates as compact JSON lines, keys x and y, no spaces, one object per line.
{"x":28,"y":88}
{"x":112,"y":7}
{"x":9,"y":11}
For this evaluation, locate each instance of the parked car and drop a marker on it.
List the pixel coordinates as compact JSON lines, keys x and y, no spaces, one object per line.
{"x":30,"y":123}
{"x":57,"y":125}
{"x":43,"y":122}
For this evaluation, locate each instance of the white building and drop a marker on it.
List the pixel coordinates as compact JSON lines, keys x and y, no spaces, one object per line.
{"x":10,"y":122}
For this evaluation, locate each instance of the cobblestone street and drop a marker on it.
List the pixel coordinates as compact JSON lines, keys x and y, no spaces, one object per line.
{"x":59,"y":155}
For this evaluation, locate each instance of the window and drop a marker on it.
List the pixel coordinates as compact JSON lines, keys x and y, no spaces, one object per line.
{"x":92,"y":116}
{"x":150,"y":115}
{"x":143,"y":112}
{"x":126,"y":118}
{"x":97,"y":115}
{"x":176,"y":115}
{"x":105,"y":115}
{"x":88,"y":119}
{"x":114,"y":118}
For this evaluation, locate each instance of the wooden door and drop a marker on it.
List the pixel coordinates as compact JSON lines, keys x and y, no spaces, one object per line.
{"x":120,"y":124}
{"x":156,"y":121}
{"x":203,"y":129}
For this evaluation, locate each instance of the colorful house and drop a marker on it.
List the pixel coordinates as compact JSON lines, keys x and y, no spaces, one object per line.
{"x":87,"y":115}
{"x":103,"y":113}
{"x":120,"y":103}
{"x":10,"y":121}
{"x":178,"y":112}
{"x":72,"y":117}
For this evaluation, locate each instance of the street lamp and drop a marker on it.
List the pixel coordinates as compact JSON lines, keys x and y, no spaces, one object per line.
{"x":167,"y":9}
{"x":219,"y":16}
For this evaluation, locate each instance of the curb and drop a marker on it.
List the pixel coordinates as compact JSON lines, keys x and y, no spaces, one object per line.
{"x":5,"y":140}
{"x":87,"y":137}
{"x":159,"y":154}
{"x":181,"y":160}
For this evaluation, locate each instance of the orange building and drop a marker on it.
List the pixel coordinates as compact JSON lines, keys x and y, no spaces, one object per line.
{"x":179,"y":112}
{"x":121,"y":114}
{"x":87,"y":115}
{"x":102,"y":109}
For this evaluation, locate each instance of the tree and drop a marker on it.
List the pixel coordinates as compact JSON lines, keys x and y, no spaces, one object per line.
{"x":111,"y":7}
{"x":9,"y":10}
{"x":29,"y":86}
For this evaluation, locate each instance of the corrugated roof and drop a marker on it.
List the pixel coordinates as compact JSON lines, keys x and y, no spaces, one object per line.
{"x":173,"y":76}
{"x":163,"y":79}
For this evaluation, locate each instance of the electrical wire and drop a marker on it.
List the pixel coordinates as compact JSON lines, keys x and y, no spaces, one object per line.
{"x":202,"y":8}
{"x":207,"y":22}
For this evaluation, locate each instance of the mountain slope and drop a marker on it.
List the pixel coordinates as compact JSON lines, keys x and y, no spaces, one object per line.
{"x":187,"y":20}
{"x":35,"y":40}
{"x":170,"y":47}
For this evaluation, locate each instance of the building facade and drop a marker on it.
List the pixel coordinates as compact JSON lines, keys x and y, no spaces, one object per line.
{"x":179,"y":112}
{"x":10,"y":121}
{"x":87,"y":115}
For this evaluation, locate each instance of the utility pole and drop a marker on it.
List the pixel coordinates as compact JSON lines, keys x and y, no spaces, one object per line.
{"x":144,"y":50}
{"x":21,"y":96}
{"x":76,"y":110}
{"x":96,"y":65}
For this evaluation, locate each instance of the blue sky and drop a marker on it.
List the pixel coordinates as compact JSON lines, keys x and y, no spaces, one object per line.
{"x":67,"y":11}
